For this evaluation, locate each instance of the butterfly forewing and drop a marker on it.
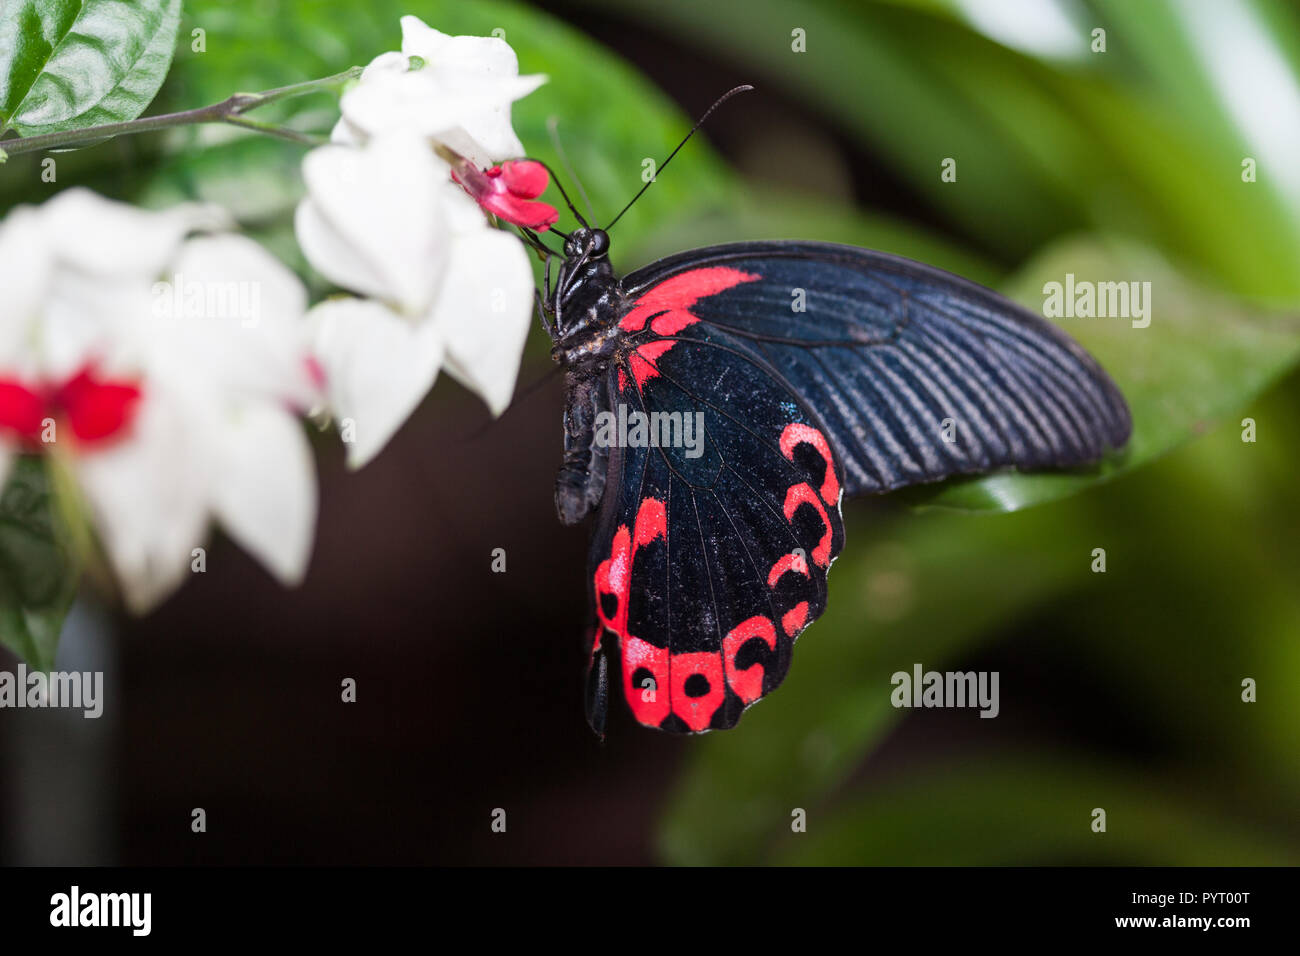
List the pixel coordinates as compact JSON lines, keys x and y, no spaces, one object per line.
{"x":917,"y":374}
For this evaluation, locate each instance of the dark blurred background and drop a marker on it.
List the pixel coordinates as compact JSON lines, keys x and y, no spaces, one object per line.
{"x":1119,"y":690}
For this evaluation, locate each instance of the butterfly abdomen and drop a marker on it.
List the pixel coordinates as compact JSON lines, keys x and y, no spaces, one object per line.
{"x":580,"y":483}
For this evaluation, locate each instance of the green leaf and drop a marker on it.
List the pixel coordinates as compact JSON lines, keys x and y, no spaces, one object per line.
{"x":766,"y":214}
{"x":1108,"y":143}
{"x":1032,"y":810}
{"x":1202,"y":358}
{"x":70,"y":64}
{"x":38,"y":568}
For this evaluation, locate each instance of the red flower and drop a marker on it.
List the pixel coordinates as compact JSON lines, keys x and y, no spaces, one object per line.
{"x":94,"y":409}
{"x":506,"y":191}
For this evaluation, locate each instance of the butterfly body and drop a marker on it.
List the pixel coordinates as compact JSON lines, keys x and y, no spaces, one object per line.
{"x":721,"y":402}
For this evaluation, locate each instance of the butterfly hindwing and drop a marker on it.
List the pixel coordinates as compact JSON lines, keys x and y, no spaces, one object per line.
{"x":712,"y":549}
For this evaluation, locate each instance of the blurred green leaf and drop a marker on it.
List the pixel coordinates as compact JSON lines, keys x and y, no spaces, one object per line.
{"x":1199,"y":594}
{"x":1032,"y":810}
{"x":1108,"y":143}
{"x":766,"y":214}
{"x":904,"y":594}
{"x":1203,"y":357}
{"x":38,"y":572}
{"x":69,"y":64}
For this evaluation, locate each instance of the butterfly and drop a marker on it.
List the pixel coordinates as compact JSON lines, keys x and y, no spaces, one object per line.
{"x":722,"y":402}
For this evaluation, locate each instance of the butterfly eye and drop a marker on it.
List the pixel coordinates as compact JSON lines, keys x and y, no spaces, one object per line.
{"x":599,"y":242}
{"x":570,"y":248}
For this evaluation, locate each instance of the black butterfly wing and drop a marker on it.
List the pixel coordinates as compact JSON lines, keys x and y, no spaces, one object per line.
{"x":816,"y":369}
{"x":713,"y":543}
{"x":917,"y":374}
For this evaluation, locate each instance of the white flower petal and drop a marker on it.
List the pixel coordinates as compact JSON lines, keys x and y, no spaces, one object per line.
{"x":378,"y":366}
{"x":264,"y":489}
{"x":460,"y":96}
{"x":234,"y":313}
{"x":149,"y":495}
{"x":484,"y":310}
{"x":116,"y":240}
{"x":25,"y":270}
{"x":390,"y":62}
{"x":371,"y":221}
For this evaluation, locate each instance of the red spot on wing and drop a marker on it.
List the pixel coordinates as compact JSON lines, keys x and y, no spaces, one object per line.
{"x":784,"y":564}
{"x":649,"y":704}
{"x":793,"y":620}
{"x":667,"y":305}
{"x":799,"y":434}
{"x":689,"y":674}
{"x":802,"y":494}
{"x":747,"y":683}
{"x":613,"y":579}
{"x":643,"y":361}
{"x":651,"y":521}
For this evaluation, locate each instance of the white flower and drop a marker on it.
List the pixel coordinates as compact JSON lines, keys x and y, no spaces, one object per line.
{"x":444,"y":288}
{"x":458,"y":94}
{"x":170,"y":368}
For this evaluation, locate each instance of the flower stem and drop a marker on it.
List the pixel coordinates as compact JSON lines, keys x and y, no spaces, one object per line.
{"x":230,"y":110}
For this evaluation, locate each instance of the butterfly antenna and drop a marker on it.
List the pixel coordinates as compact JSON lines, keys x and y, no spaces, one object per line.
{"x":558,"y":185}
{"x":698,"y":123}
{"x":553,"y":127}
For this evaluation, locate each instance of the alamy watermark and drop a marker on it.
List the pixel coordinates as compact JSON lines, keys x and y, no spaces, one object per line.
{"x":629,"y":428}
{"x":183,"y":298}
{"x":74,"y":908}
{"x":1084,"y":299}
{"x":923,"y":688}
{"x":75,"y":690}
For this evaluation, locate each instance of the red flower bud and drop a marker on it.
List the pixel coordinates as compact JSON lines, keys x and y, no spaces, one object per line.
{"x":507,"y":192}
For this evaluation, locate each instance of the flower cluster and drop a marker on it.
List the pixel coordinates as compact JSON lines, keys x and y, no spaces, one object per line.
{"x":165,"y":362}
{"x":438,"y":287}
{"x":169,"y":410}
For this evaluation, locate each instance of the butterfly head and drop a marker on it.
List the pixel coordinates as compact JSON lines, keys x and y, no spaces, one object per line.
{"x":586,"y":244}
{"x":583,"y":303}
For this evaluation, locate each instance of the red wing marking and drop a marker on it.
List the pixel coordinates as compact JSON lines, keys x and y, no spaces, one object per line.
{"x":649,"y":704}
{"x":789,"y":562}
{"x":613,"y":580}
{"x":800,"y":434}
{"x":642,"y":360}
{"x":802,"y":494}
{"x":667,"y":305}
{"x":793,"y":620}
{"x":747,"y":682}
{"x":697,"y":689}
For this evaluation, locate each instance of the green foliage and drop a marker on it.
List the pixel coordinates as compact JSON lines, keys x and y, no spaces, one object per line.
{"x":38,"y":567}
{"x":69,"y":64}
{"x":1125,"y":165}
